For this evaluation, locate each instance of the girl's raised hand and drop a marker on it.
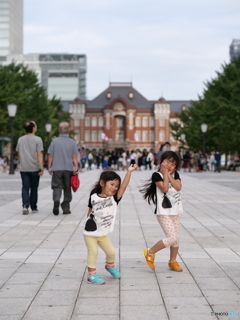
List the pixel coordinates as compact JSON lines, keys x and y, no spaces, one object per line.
{"x":132,"y":167}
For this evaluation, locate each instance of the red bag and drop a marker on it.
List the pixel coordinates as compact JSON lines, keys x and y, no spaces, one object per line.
{"x":74,"y":182}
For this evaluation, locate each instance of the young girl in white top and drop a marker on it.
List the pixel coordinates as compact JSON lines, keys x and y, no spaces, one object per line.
{"x":103,"y":202}
{"x":163,"y":191}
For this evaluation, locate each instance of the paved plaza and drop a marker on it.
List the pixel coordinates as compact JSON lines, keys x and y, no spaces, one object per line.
{"x":43,"y":257}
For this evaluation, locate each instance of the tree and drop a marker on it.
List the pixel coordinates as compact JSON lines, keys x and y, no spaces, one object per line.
{"x":219,"y":107}
{"x":20,"y":86}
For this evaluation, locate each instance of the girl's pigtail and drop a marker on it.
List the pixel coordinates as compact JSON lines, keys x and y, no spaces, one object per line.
{"x":149,"y":191}
{"x":96,"y":189}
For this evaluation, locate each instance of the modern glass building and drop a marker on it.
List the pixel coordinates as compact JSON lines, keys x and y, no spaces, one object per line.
{"x":62,"y":74}
{"x":234,"y":49}
{"x":11,"y":28}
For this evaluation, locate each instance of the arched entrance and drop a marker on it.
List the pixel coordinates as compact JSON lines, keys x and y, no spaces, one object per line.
{"x":120,"y":129}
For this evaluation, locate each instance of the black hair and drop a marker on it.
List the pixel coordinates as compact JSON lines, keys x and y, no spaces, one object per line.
{"x":105,"y":176}
{"x":172,"y":156}
{"x":29,"y":126}
{"x":149,"y":188}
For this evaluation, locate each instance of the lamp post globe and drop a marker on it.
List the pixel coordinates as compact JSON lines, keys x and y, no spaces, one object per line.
{"x":12,"y":109}
{"x":48,"y":127}
{"x":204,"y":127}
{"x":183,"y":136}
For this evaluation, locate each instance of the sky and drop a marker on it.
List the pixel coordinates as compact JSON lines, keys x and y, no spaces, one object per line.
{"x":165,"y":48}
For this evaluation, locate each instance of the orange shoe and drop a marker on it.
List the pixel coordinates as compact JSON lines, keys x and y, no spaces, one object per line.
{"x":175,"y":266}
{"x":149,"y":258}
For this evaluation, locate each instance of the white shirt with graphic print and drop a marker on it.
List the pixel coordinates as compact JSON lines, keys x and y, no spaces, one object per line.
{"x":173,"y":195}
{"x":104,"y":210}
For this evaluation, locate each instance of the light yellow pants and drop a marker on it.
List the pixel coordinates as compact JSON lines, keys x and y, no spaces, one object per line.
{"x":104,"y":243}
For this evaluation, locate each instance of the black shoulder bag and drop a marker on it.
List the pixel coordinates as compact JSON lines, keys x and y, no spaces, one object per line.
{"x":166,"y":203}
{"x":91,"y":224}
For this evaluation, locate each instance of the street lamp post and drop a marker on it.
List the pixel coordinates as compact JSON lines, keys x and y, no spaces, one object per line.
{"x":204,"y":130}
{"x":12,"y":109}
{"x":183,"y":136}
{"x":48,"y":127}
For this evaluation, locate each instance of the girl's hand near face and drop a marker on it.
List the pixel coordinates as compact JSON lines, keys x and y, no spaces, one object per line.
{"x":170,"y":173}
{"x":164,"y":169}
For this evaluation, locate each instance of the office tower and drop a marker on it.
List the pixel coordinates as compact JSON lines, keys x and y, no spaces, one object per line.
{"x":234,"y":49}
{"x":11,"y":28}
{"x":63,"y":75}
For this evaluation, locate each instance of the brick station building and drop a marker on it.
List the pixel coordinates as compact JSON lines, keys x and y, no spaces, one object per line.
{"x":125,"y":117}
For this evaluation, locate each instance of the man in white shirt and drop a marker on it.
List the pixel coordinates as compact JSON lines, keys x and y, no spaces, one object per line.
{"x":29,"y":148}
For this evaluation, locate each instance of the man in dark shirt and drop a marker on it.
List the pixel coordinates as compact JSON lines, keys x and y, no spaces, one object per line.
{"x":218,"y":161}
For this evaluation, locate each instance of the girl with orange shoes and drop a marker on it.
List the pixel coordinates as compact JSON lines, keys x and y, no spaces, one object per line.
{"x":163,"y":191}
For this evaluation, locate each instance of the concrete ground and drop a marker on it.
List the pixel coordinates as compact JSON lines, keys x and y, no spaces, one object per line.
{"x":43,"y":257}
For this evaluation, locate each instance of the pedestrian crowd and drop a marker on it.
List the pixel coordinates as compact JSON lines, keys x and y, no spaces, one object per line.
{"x":199,"y":161}
{"x":115,"y":160}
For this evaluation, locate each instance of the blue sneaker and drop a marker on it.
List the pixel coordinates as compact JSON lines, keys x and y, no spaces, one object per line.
{"x":95,"y":279}
{"x":114,"y":272}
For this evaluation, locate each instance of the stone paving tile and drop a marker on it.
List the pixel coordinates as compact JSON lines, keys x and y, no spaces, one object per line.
{"x":141,"y":284}
{"x":180,"y":290}
{"x":48,"y":312}
{"x":15,"y":255}
{"x":35,"y":268}
{"x":189,"y":316}
{"x":101,"y":306}
{"x":143,"y":312}
{"x":14,"y":306}
{"x":191,"y":305}
{"x":110,"y":290}
{"x":141,"y":298}
{"x":209,"y":272}
{"x":19,"y":291}
{"x":61,"y":284}
{"x":25,"y":278}
{"x":55,"y":298}
{"x":175,"y":278}
{"x":218,"y":296}
{"x":66,"y":273}
{"x":10,"y":317}
{"x":93,"y":317}
{"x":217,"y":284}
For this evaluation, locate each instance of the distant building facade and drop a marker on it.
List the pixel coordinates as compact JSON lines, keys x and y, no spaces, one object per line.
{"x":11,"y":28}
{"x":234,"y":49}
{"x":63,"y":75}
{"x":121,"y":118}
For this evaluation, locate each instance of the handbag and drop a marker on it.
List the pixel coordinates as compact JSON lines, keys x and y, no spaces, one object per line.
{"x":90,"y":224}
{"x":166,"y":203}
{"x":75,"y":182}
